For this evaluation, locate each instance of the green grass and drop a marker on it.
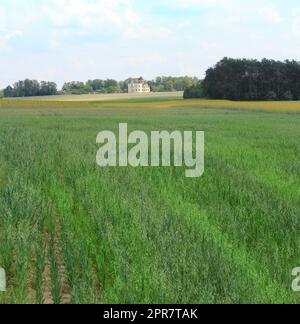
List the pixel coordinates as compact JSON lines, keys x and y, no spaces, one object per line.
{"x":72,"y":232}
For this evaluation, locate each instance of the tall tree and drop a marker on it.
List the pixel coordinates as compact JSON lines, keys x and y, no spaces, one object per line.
{"x":242,"y":79}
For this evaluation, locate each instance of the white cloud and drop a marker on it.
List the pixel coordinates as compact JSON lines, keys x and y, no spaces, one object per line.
{"x":210,"y":46}
{"x":270,"y":14}
{"x":148,"y":59}
{"x":294,"y":51}
{"x":204,"y":3}
{"x":6,"y":37}
{"x":2,"y":20}
{"x":296,"y":22}
{"x":296,"y":26}
{"x":146,"y":32}
{"x":95,"y":18}
{"x":82,"y":39}
{"x":105,"y":15}
{"x":184,"y":25}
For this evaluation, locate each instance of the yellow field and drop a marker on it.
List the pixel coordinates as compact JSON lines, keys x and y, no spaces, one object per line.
{"x":272,"y":106}
{"x":148,"y":104}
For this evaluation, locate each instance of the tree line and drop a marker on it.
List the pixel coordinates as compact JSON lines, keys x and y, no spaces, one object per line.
{"x":243,"y":79}
{"x":160,"y":84}
{"x":29,"y":88}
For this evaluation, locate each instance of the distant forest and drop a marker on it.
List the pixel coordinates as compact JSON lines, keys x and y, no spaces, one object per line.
{"x":242,"y":79}
{"x":29,"y":88}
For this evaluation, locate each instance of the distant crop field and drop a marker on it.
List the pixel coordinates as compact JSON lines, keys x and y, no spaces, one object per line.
{"x":108,"y":97}
{"x":71,"y":232}
{"x":140,"y":105}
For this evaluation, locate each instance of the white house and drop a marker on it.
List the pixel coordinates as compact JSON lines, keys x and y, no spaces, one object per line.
{"x":138,"y":86}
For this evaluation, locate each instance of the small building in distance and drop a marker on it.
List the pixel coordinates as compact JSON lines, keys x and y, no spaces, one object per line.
{"x":138,"y":86}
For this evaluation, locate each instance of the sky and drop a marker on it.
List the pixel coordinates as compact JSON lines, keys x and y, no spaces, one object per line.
{"x":65,"y":40}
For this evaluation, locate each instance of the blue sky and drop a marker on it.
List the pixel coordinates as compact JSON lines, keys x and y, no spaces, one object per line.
{"x":59,"y":40}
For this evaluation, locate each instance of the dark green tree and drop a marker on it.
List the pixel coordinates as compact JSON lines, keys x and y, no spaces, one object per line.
{"x":242,"y":79}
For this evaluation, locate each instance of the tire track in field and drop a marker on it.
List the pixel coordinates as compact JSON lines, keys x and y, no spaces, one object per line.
{"x":50,"y":276}
{"x":47,"y":282}
{"x":66,"y":297}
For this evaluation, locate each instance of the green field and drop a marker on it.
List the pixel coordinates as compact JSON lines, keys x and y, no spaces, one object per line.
{"x":71,"y":232}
